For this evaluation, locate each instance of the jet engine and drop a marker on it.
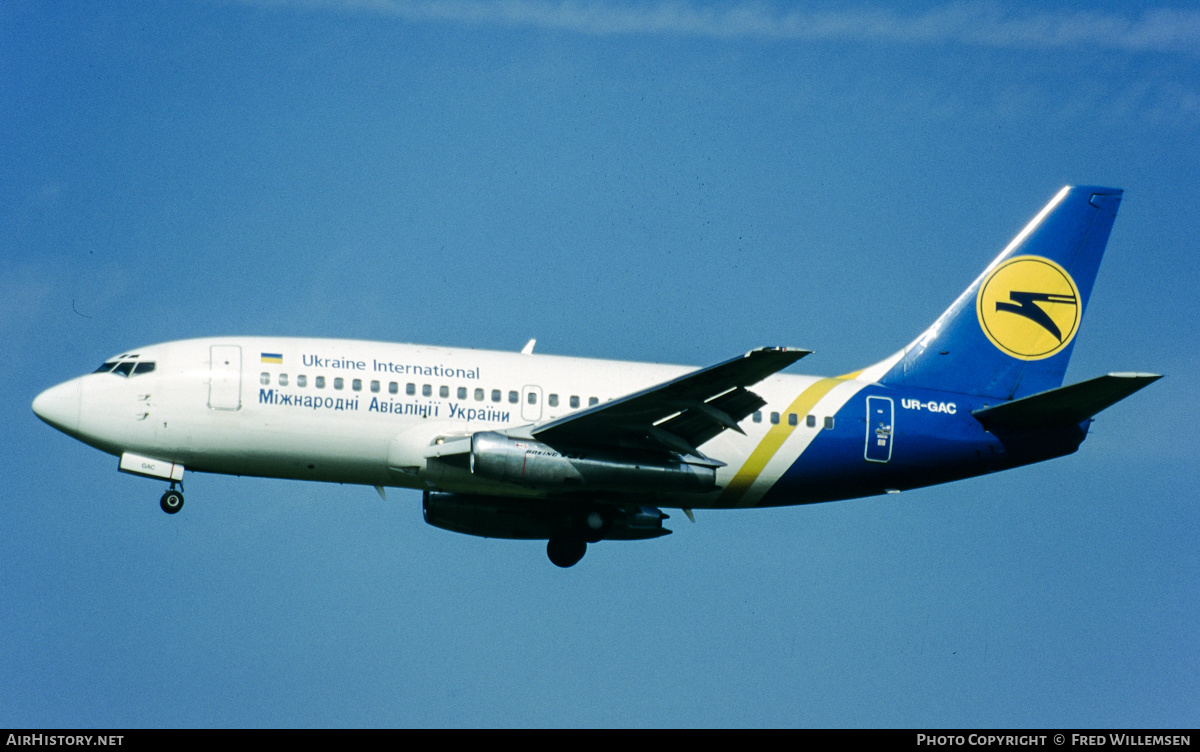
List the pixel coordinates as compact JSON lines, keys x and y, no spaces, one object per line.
{"x":533,"y":519}
{"x":533,"y":464}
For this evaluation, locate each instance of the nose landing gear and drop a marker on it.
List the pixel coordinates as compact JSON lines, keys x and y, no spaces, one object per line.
{"x":171,"y":501}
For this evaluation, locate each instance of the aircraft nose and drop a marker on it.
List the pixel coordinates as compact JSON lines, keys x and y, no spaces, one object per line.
{"x":59,"y":406}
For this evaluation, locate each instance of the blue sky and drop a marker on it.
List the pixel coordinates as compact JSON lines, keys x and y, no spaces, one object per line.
{"x":675,"y":182}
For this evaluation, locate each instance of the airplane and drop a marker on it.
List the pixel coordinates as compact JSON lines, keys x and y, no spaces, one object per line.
{"x":573,"y":451}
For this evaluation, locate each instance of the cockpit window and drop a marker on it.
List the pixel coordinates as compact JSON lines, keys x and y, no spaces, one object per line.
{"x":126,"y":367}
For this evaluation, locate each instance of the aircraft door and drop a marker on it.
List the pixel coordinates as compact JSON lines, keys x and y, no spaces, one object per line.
{"x":531,"y":403}
{"x":225,"y":377}
{"x":880,"y":412}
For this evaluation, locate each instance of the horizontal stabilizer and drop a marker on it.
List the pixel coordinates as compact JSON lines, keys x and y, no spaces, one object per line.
{"x":1065,"y":405}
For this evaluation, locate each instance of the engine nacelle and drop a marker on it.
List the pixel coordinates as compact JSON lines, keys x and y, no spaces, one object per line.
{"x":534,"y":519}
{"x":536,"y":465}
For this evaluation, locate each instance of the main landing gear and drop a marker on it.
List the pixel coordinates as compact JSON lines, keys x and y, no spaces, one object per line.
{"x":566,"y":547}
{"x":565,"y":550}
{"x":171,"y":501}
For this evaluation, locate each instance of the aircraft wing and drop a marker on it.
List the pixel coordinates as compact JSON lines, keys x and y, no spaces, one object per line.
{"x":678,"y":415}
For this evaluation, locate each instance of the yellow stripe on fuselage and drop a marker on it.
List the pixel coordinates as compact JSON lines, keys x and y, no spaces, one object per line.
{"x":770,"y":444}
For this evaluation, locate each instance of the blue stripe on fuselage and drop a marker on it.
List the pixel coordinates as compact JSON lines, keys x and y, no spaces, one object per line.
{"x":935,"y":439}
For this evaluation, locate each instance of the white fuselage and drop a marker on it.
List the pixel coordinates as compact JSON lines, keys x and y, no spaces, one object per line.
{"x":368,"y":413}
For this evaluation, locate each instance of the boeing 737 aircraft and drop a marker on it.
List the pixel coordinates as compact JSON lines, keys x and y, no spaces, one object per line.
{"x":574,"y":451}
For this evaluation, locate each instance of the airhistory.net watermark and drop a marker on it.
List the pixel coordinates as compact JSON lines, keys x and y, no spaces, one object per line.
{"x":63,"y":740}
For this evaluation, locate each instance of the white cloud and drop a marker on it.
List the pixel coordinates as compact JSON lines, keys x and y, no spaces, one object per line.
{"x":969,"y":23}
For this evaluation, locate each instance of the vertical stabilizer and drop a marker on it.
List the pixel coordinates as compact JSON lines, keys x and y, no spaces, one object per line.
{"x":1010,"y":334}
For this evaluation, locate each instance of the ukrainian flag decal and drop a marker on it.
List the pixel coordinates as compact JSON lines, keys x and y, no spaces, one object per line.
{"x":272,"y":357}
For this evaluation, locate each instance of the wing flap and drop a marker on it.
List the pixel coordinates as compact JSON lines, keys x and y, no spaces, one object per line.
{"x":707,"y":419}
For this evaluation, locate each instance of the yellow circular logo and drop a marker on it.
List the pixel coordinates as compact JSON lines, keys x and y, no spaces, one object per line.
{"x":1029,"y":307}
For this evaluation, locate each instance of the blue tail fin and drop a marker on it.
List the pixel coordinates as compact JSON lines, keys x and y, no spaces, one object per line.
{"x":1010,"y":334}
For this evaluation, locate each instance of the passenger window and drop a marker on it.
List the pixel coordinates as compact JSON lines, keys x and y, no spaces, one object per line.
{"x":462,"y":392}
{"x":283,"y":379}
{"x":265,"y":379}
{"x":356,"y":385}
{"x":410,"y":389}
{"x":479,"y":395}
{"x":532,"y":398}
{"x":338,"y":382}
{"x":593,"y":401}
{"x":513,"y":397}
{"x":301,"y":380}
{"x":495,"y":395}
{"x":757,"y":417}
{"x":426,"y":390}
{"x":553,"y":400}
{"x":574,"y":401}
{"x":793,"y":419}
{"x":320,"y":382}
{"x":829,"y":423}
{"x":811,"y":421}
{"x":444,"y":392}
{"x":774,"y":419}
{"x":375,"y":387}
{"x":393,"y":388}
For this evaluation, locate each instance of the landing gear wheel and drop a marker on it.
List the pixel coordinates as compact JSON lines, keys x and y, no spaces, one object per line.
{"x":171,"y":501}
{"x":566,"y":550}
